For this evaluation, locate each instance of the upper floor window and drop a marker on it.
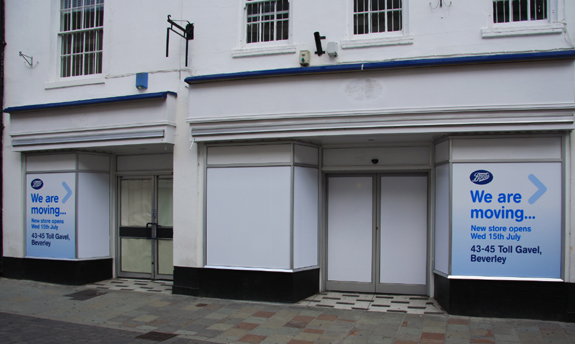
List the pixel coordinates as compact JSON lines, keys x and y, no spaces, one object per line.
{"x":267,"y":20}
{"x":519,"y":10}
{"x":81,"y":35}
{"x":370,"y":16}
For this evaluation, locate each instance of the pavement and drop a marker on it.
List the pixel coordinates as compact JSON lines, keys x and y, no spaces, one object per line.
{"x":34,"y":312}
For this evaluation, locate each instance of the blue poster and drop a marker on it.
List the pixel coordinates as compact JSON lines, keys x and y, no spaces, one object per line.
{"x":506,"y":220}
{"x":51,"y":215}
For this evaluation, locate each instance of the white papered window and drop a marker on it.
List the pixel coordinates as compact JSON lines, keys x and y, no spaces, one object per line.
{"x":81,"y":37}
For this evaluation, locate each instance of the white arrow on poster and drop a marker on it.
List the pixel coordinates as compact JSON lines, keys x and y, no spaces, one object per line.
{"x":51,"y":215}
{"x":507,"y":220}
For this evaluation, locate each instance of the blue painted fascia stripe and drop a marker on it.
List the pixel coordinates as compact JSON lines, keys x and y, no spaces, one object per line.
{"x":86,"y":102}
{"x":356,"y":67}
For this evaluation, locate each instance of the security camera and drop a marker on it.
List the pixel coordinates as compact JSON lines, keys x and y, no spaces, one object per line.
{"x":374,"y":161}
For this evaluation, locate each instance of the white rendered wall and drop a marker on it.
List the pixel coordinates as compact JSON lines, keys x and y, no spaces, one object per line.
{"x":13,"y":202}
{"x":129,"y":48}
{"x":407,"y":91}
{"x":446,"y":31}
{"x":188,"y":193}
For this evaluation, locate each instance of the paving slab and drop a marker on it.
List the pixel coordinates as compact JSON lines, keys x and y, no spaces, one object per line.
{"x":34,"y":312}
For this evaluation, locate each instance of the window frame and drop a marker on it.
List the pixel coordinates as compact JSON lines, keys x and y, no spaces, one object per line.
{"x":275,"y":47}
{"x":377,"y":39}
{"x":368,"y":13}
{"x":547,"y":26}
{"x":64,"y":31}
{"x":510,"y":7}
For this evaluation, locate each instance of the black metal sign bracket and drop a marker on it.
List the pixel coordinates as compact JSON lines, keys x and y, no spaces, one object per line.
{"x":186,"y":33}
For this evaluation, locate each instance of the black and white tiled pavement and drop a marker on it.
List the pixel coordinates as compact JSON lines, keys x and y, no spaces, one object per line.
{"x":337,"y":300}
{"x":163,"y":287}
{"x":375,"y":303}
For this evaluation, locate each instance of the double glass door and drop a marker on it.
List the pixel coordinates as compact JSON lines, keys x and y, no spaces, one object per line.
{"x":146,"y":232}
{"x":377,"y":234}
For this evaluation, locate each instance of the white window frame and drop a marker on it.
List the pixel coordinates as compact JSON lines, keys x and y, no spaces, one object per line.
{"x":55,"y":80}
{"x":377,"y":39}
{"x":274,"y":47}
{"x":550,"y":25}
{"x":79,"y":60}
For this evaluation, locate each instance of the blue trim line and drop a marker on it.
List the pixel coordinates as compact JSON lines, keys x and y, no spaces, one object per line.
{"x":357,"y":67}
{"x":98,"y":101}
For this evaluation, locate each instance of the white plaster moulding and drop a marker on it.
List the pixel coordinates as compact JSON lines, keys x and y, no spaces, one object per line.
{"x":394,"y":123}
{"x":404,"y":111}
{"x":527,"y":30}
{"x":74,"y":82}
{"x":376,"y":42}
{"x":80,"y":130}
{"x":88,"y":138}
{"x":371,"y":129}
{"x":262,"y":51}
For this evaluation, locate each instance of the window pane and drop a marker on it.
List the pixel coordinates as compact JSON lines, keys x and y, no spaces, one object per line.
{"x":393,"y":4}
{"x":377,"y":5}
{"x":361,"y":24}
{"x":394,"y":21}
{"x":519,"y":10}
{"x":360,"y":5}
{"x":538,"y":9}
{"x":378,"y":22}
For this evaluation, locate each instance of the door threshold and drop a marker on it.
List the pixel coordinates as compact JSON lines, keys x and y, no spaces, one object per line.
{"x":391,"y":303}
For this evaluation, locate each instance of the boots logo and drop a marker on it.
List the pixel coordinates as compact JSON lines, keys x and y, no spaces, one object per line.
{"x":37,"y":184}
{"x":481,"y":177}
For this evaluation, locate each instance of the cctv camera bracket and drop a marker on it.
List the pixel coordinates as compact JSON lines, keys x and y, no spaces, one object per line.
{"x":318,"y":46}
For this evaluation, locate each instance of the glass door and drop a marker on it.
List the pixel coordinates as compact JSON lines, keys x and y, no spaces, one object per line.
{"x":146,"y":232}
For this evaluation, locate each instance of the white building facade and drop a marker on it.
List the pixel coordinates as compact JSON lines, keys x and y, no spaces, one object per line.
{"x":287,"y":147}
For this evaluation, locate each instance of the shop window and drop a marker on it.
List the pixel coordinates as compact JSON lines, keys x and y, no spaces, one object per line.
{"x":267,"y":21}
{"x":81,"y":35}
{"x":371,"y":16}
{"x":505,"y":11}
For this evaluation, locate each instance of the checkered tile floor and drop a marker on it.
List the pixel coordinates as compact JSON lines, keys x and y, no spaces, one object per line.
{"x":163,"y":287}
{"x":375,"y":303}
{"x":366,"y":302}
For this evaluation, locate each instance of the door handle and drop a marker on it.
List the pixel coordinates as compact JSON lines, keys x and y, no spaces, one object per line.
{"x":151,"y":230}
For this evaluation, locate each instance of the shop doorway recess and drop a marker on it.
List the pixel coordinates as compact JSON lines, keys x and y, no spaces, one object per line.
{"x":145,"y":235}
{"x":377,"y":233}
